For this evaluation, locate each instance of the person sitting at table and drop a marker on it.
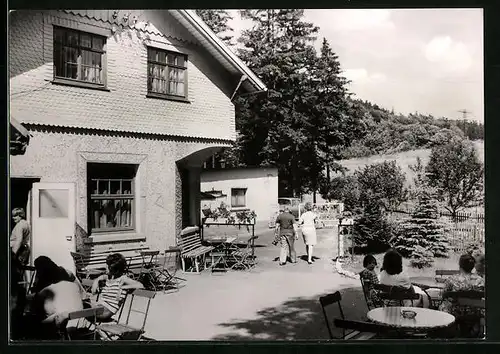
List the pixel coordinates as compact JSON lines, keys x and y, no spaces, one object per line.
{"x":113,"y":286}
{"x":56,"y":295}
{"x":368,"y":278}
{"x":47,"y":271}
{"x":464,"y":281}
{"x":480,"y":265}
{"x":392,"y":274}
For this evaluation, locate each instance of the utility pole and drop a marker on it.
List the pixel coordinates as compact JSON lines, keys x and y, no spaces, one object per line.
{"x":464,"y":117}
{"x":464,"y":113}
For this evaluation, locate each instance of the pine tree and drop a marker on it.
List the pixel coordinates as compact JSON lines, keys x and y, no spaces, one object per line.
{"x":422,"y":236}
{"x":279,"y":49}
{"x":217,"y":20}
{"x":305,"y":120}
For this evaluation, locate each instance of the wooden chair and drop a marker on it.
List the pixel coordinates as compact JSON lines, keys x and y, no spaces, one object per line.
{"x":441,"y":274}
{"x":370,"y":301}
{"x":336,"y":298}
{"x":85,"y":331}
{"x":191,"y":248}
{"x":360,"y":330}
{"x":83,"y":271}
{"x":244,"y":257}
{"x":122,"y":329}
{"x":395,"y":294}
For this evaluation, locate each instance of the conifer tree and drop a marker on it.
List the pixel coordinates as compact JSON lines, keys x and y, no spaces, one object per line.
{"x":422,"y":237}
{"x":217,"y":20}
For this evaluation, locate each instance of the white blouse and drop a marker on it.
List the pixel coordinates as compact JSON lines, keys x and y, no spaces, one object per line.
{"x":308,"y":219}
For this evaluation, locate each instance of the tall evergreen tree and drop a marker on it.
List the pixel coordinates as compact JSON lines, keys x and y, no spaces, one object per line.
{"x":422,"y":236}
{"x":278,"y":48}
{"x":218,"y":20}
{"x":303,"y":121}
{"x":333,"y":119}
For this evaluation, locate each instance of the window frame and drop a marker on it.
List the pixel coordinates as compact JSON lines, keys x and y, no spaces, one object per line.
{"x":236,"y":196}
{"x":167,"y":66}
{"x":77,"y":82}
{"x":91,"y":197}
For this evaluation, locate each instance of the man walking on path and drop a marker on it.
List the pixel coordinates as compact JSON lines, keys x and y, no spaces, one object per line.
{"x":285,"y":228}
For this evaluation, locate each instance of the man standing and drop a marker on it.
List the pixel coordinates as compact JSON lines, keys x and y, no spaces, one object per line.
{"x":285,"y":228}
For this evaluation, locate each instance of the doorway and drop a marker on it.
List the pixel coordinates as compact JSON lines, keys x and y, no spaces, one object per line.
{"x":20,"y":195}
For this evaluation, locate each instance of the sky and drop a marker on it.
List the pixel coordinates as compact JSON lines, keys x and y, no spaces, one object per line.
{"x":413,"y":60}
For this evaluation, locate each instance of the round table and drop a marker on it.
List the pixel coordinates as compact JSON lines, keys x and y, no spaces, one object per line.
{"x":426,"y":319}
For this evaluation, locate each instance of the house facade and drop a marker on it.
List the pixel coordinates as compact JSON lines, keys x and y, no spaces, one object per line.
{"x":243,"y":189}
{"x":122,"y":108}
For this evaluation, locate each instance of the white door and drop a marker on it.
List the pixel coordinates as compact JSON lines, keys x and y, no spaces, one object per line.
{"x":53,"y":222}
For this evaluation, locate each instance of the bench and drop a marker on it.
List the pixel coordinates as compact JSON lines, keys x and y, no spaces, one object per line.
{"x":191,"y":248}
{"x":91,"y":262}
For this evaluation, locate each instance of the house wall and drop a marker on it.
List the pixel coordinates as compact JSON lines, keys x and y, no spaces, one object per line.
{"x":71,"y":126}
{"x":261,"y":184}
{"x":124,"y":105}
{"x":62,"y":157}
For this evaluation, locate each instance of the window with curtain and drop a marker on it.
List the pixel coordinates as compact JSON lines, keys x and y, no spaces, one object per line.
{"x":167,"y":73}
{"x":79,"y":56}
{"x":111,"y":197}
{"x":238,"y":197}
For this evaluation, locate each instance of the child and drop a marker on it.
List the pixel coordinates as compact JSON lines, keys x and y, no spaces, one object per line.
{"x":368,"y":278}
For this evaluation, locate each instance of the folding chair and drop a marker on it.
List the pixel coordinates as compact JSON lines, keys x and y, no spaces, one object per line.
{"x":122,"y":328}
{"x":395,"y":295}
{"x":358,"y":330}
{"x":28,"y":279}
{"x":370,"y":301}
{"x":81,"y":332}
{"x":82,"y":270}
{"x":244,"y":258}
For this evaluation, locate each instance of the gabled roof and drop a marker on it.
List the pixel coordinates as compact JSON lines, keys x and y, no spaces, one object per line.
{"x":217,"y":48}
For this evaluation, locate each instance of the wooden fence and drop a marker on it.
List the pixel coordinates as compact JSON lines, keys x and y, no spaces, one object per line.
{"x":466,"y":229}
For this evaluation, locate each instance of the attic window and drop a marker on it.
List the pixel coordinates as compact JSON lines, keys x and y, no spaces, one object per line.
{"x":167,"y":74}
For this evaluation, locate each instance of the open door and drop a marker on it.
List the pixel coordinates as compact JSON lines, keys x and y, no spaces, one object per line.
{"x":53,"y":218}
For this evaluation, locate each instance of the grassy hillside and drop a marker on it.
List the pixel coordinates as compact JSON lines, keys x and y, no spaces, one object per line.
{"x":403,"y":159}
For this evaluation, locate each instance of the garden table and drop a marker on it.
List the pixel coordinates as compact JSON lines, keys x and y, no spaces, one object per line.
{"x":221,"y":251}
{"x":425,"y":320}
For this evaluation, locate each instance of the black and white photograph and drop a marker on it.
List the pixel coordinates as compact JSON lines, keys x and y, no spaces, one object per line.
{"x":246,"y":175}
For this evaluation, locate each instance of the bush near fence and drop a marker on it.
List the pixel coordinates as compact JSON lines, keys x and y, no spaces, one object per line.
{"x":466,"y":229}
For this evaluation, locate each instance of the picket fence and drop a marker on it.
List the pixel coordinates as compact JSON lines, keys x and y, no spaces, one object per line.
{"x":466,"y":229}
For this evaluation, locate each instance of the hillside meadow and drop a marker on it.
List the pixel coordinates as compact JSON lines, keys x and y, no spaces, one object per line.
{"x":403,"y":159}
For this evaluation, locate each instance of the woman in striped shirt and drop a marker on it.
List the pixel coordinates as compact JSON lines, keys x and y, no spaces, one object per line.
{"x":114,"y":286}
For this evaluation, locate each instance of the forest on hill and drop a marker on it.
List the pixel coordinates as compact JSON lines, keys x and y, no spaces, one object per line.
{"x":390,"y":132}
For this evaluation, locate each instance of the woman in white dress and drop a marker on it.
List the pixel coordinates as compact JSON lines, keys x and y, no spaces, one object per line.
{"x":308,"y":222}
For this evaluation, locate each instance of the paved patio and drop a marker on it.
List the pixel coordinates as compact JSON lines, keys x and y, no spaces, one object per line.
{"x":270,"y":302}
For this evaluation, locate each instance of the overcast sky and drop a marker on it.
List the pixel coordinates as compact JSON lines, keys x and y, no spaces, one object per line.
{"x":430,"y":61}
